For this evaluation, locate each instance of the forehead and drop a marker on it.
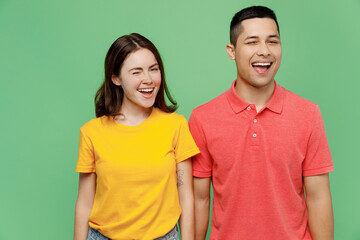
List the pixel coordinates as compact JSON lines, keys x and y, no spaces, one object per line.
{"x":140,"y":57}
{"x":258,"y":27}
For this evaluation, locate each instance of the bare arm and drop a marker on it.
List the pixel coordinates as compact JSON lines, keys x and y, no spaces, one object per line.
{"x":84,"y":203}
{"x":186,"y":198}
{"x":319,"y":206}
{"x":202,"y":206}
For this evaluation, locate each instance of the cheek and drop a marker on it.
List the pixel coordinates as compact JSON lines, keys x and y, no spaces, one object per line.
{"x":243,"y":56}
{"x":130,"y":84}
{"x":157,"y":79}
{"x":280,"y":56}
{"x":277,"y":52}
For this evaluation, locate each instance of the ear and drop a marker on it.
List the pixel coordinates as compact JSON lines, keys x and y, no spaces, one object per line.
{"x":116,"y":80}
{"x":230,"y":49}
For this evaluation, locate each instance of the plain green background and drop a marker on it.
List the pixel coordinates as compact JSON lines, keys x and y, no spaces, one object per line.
{"x":51,"y":64}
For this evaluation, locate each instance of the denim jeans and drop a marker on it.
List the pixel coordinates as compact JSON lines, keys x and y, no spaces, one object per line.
{"x":95,"y":235}
{"x":172,"y":235}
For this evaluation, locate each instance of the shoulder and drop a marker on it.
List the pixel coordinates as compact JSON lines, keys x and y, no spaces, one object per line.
{"x":169,"y":118}
{"x":95,"y":124}
{"x":212,"y":106}
{"x":300,"y":109}
{"x":298,"y":103}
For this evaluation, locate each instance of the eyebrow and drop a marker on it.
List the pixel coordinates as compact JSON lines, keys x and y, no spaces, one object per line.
{"x":255,"y":37}
{"x":139,"y":68}
{"x":155,"y":64}
{"x":274,"y":36}
{"x":251,"y":37}
{"x":135,"y":68}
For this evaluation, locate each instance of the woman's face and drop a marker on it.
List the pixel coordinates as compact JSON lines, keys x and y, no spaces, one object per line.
{"x":140,"y":78}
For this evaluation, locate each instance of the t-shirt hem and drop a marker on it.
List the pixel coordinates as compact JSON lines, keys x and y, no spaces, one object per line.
{"x":201,"y":174}
{"x":318,"y":171}
{"x":187,"y":155}
{"x":108,"y":231}
{"x":85,"y":170}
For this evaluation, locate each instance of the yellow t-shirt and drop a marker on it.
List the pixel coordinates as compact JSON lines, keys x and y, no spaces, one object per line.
{"x":136,"y":193}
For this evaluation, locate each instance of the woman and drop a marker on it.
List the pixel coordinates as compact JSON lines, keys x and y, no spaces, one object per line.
{"x":135,"y":173}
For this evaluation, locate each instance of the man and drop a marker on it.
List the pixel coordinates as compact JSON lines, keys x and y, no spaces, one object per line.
{"x":261,"y":146}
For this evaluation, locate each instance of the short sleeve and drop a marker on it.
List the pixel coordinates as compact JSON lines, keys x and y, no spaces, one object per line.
{"x":86,"y":158}
{"x":318,"y":158}
{"x":202,"y":163}
{"x":184,"y":144}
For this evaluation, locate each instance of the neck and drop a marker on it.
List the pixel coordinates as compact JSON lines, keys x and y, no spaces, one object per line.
{"x":259,"y":96}
{"x":132,"y":114}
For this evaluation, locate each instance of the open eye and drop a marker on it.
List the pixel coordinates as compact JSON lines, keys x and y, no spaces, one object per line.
{"x":154,"y":68}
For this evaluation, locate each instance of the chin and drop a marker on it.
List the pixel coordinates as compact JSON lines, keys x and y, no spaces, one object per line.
{"x":261,"y":83}
{"x":148,"y":105}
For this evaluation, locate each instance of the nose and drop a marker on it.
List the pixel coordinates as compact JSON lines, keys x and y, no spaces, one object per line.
{"x":147,"y":79}
{"x":263,"y":50}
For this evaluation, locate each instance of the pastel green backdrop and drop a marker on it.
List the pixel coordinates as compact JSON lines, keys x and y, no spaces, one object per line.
{"x":51,"y":64}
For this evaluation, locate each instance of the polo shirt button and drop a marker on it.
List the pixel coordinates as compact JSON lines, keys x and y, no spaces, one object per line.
{"x":255,"y":120}
{"x":254,"y":135}
{"x":248,"y":108}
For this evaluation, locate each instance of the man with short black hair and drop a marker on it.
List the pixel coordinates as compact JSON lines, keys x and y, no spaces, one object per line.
{"x":261,"y":146}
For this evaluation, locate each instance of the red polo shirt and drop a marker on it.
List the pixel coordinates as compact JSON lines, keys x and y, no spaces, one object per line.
{"x":257,"y":162}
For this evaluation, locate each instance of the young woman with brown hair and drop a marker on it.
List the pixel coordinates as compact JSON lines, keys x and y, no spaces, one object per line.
{"x":135,"y":172}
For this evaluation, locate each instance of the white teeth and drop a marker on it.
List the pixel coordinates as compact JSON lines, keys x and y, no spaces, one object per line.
{"x":261,"y":64}
{"x":145,"y":90}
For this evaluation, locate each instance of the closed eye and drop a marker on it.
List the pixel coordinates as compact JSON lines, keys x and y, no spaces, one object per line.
{"x":274,"y":42}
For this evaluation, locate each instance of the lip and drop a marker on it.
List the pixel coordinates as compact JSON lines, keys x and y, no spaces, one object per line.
{"x":262,"y":67}
{"x":146,"y":94}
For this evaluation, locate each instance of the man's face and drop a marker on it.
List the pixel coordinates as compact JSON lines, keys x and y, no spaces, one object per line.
{"x":258,"y":52}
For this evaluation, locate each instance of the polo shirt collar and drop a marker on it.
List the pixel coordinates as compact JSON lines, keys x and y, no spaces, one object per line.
{"x":238,"y":104}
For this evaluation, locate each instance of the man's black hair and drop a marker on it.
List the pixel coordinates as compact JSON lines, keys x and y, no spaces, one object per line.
{"x":248,"y":13}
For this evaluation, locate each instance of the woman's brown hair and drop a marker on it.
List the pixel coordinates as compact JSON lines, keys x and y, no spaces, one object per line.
{"x":109,"y":97}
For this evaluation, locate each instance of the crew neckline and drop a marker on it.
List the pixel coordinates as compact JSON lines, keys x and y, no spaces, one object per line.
{"x":137,"y":127}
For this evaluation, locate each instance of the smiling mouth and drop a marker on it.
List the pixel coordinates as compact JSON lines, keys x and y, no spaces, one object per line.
{"x":261,"y":68}
{"x":146,"y":92}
